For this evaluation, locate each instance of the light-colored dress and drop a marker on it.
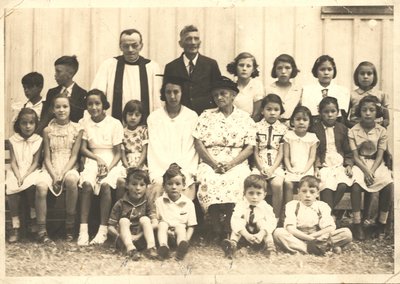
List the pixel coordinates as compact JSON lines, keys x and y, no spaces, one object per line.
{"x":313,"y":94}
{"x":367,"y":145}
{"x":268,"y":154}
{"x":224,"y":138}
{"x":101,"y":137}
{"x":358,"y":94}
{"x":299,"y":153}
{"x":24,"y":150}
{"x":332,"y":173}
{"x":61,"y":142}
{"x":290,"y":97}
{"x":133,"y":143}
{"x":171,"y":141}
{"x":247,"y":96}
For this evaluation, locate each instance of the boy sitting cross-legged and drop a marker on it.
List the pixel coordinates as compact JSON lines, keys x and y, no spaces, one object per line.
{"x":253,"y":218}
{"x":309,"y":226}
{"x":134,"y":216}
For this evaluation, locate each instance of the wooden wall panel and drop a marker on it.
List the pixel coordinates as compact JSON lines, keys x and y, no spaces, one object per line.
{"x":36,"y":37}
{"x":338,"y":44}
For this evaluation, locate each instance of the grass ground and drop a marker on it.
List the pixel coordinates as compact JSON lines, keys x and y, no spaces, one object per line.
{"x":67,"y":259}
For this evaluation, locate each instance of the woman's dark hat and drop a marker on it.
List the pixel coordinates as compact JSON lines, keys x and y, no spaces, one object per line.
{"x":224,"y":83}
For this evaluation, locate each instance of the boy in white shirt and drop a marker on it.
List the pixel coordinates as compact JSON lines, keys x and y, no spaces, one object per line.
{"x":253,"y":218}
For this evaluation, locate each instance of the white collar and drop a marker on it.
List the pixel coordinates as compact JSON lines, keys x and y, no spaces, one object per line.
{"x":187,"y":60}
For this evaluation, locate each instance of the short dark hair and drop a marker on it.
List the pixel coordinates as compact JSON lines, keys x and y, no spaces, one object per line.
{"x":312,"y":181}
{"x":232,"y":67}
{"x":139,"y":174}
{"x":133,"y":106}
{"x":366,"y":64}
{"x":129,"y":32}
{"x":301,"y":109}
{"x":103,"y":98}
{"x":188,"y":29}
{"x":288,"y":59}
{"x":70,"y":61}
{"x":272,"y":98}
{"x":326,"y":101}
{"x":33,"y":79}
{"x":319,"y":61}
{"x":173,"y":170}
{"x":370,"y":99}
{"x":21,"y":113}
{"x":256,"y":181}
{"x":164,"y":86}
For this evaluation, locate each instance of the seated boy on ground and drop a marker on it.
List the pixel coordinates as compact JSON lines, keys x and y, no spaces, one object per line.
{"x":133,"y":216}
{"x":176,"y":214}
{"x":253,"y":218}
{"x":309,"y":226}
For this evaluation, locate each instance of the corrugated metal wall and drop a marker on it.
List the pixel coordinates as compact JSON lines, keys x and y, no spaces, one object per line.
{"x":35,"y":38}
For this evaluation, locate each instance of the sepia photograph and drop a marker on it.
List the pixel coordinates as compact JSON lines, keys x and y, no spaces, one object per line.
{"x":199,"y":142}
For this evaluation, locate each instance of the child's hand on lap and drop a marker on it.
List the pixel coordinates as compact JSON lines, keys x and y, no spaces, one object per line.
{"x":349,"y":171}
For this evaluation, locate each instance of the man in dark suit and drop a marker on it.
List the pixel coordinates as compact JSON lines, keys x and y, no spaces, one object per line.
{"x":65,"y":69}
{"x":200,"y":71}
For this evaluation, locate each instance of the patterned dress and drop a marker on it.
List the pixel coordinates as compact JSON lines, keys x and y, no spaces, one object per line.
{"x":61,"y":142}
{"x":133,"y":143}
{"x":224,"y":138}
{"x":267,"y":153}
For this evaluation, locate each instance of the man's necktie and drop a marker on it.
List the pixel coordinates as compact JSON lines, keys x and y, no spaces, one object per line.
{"x":65,"y":92}
{"x":191,"y":67}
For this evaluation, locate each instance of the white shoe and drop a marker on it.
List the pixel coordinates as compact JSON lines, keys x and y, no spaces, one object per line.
{"x":99,"y":239}
{"x":83,"y":239}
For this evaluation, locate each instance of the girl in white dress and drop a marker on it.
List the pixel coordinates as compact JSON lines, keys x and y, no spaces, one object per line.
{"x":299,"y":150}
{"x":61,"y":143}
{"x":251,"y":90}
{"x":101,"y":145}
{"x":368,"y":141}
{"x":25,"y":151}
{"x":283,"y":70}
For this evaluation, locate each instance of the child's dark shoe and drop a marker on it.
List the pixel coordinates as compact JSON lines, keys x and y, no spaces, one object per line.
{"x":163,"y":252}
{"x":359,"y":232}
{"x":43,"y":238}
{"x":182,"y":250}
{"x":381,"y":230}
{"x":133,"y":254}
{"x":151,"y":253}
{"x":14,"y":236}
{"x":229,"y":247}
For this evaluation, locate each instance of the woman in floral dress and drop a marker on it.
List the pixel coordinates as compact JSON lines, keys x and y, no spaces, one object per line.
{"x":224,"y":139}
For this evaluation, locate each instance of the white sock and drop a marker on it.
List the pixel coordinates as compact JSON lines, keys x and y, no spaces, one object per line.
{"x":103,"y":229}
{"x":15,"y":222}
{"x":33,"y":213}
{"x":83,"y":228}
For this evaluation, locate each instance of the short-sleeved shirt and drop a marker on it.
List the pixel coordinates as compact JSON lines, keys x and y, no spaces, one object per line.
{"x":126,"y":208}
{"x":312,"y":96}
{"x":358,"y":94}
{"x":308,"y":217}
{"x":290,"y":97}
{"x":264,"y":216}
{"x":174,"y":213}
{"x":368,"y":143}
{"x":262,"y":137}
{"x":16,"y":108}
{"x":104,"y":134}
{"x":252,"y":92}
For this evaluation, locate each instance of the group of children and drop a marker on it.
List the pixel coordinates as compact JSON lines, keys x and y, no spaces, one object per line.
{"x":302,"y":143}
